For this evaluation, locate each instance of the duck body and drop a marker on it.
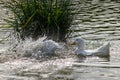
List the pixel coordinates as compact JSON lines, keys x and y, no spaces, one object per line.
{"x":49,"y":47}
{"x":102,"y":51}
{"x":40,"y":47}
{"x":84,"y":52}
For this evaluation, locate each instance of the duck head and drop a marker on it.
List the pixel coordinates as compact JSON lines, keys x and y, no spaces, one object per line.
{"x":79,"y":42}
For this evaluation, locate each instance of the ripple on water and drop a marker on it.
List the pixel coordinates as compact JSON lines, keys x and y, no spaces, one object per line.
{"x":94,"y":23}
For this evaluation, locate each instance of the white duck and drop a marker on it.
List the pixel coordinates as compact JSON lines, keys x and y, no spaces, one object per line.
{"x":102,"y":51}
{"x":49,"y":47}
{"x":39,"y":47}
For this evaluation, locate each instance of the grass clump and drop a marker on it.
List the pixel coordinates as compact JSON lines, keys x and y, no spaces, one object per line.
{"x":35,"y":18}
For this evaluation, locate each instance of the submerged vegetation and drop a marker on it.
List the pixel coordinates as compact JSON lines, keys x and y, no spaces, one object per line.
{"x":34,"y":18}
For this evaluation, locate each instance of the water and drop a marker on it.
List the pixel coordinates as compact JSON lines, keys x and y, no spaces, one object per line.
{"x":97,"y":22}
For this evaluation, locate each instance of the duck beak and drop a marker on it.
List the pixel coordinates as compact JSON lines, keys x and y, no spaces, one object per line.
{"x":73,"y":43}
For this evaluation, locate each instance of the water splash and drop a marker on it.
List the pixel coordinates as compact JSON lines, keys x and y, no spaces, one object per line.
{"x":37,"y":49}
{"x":28,"y":46}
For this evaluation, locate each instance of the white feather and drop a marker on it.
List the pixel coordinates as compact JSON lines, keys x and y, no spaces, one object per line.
{"x":101,"y":51}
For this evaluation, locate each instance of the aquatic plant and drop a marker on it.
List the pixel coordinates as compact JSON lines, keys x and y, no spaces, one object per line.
{"x":35,"y":18}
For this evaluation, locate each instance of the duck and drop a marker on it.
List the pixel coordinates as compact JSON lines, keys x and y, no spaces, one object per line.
{"x":102,"y":51}
{"x":49,"y":47}
{"x":46,"y":48}
{"x":40,"y":47}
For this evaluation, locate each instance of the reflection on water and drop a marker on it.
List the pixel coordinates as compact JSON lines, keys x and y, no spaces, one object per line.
{"x":95,"y":22}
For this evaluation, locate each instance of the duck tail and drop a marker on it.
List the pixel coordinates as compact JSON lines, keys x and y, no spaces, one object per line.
{"x":105,"y":49}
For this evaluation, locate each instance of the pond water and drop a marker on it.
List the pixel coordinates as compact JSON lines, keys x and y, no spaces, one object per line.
{"x":97,"y":22}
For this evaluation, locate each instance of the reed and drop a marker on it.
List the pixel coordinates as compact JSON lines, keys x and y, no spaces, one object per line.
{"x":35,"y":18}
